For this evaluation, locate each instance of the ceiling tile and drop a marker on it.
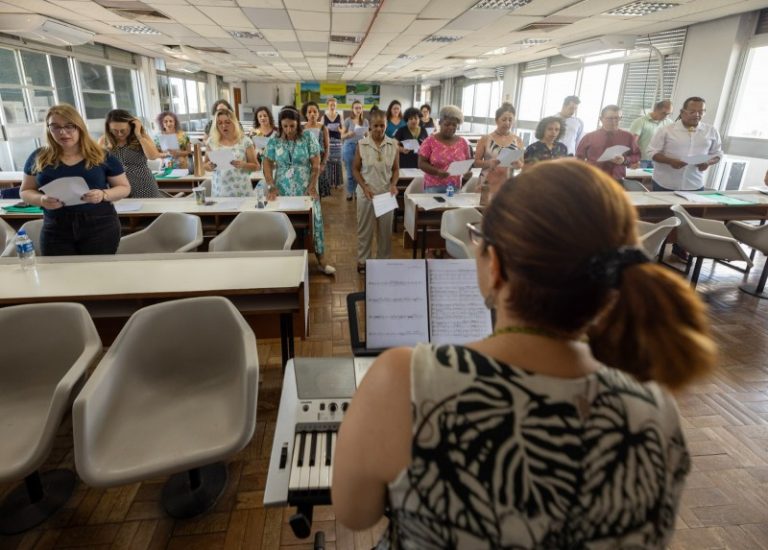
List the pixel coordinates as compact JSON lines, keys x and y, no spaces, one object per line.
{"x":357,"y":22}
{"x":442,"y":9}
{"x":308,"y":5}
{"x":403,"y":6}
{"x":209,"y":31}
{"x":425,"y":27}
{"x":191,"y":16}
{"x":268,"y":18}
{"x":224,"y":16}
{"x":310,"y":20}
{"x":260,"y":3}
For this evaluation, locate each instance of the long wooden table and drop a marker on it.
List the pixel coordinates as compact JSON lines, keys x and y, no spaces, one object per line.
{"x":423,"y":215}
{"x":138,"y":213}
{"x":272,"y":284}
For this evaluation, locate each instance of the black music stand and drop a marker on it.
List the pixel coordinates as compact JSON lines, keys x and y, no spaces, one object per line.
{"x":359,"y":348}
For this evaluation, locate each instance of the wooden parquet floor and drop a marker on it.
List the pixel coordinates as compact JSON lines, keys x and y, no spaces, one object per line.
{"x":725,"y":418}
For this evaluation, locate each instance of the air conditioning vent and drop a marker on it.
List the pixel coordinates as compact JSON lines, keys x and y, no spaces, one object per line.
{"x":42,"y":29}
{"x":133,"y":9}
{"x":545,"y":26}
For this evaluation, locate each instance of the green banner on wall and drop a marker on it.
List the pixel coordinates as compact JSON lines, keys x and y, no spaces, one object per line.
{"x":367,"y":93}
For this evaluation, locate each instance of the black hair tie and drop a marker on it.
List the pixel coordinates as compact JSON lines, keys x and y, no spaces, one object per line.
{"x":606,"y":268}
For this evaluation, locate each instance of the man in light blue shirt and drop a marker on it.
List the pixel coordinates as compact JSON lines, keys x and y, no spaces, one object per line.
{"x":574,"y":127}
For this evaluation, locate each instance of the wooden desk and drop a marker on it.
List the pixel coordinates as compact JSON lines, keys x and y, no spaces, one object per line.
{"x":423,"y":216}
{"x":186,"y":183}
{"x":214,"y":218}
{"x":11,"y":179}
{"x":113,"y":287}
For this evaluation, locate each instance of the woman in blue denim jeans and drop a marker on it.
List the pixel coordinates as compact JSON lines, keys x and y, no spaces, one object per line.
{"x":355,"y":128}
{"x":91,"y":225}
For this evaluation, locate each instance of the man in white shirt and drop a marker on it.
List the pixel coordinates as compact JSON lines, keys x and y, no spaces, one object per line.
{"x":646,"y":126}
{"x":574,"y":127}
{"x":682,"y":151}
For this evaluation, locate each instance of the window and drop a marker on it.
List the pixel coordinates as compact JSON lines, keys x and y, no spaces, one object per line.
{"x":558,"y":87}
{"x":531,"y":97}
{"x":750,"y":118}
{"x":479,"y":102}
{"x":186,"y":97}
{"x":97,"y":94}
{"x":125,"y":93}
{"x":62,"y":76}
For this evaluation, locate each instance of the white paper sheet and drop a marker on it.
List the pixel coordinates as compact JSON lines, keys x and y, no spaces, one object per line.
{"x":763,"y":190}
{"x":168,"y":142}
{"x":228,"y":204}
{"x":411,"y":145}
{"x":260,"y":142}
{"x":508,"y":156}
{"x":383,"y":203}
{"x":697,"y":198}
{"x":291,"y":203}
{"x":222,"y":158}
{"x":460,"y":167}
{"x":396,"y":303}
{"x":697,"y":159}
{"x":612,"y":152}
{"x":68,"y":190}
{"x":360,"y":131}
{"x":430,"y":131}
{"x":127,"y":206}
{"x":177,"y":173}
{"x":457,"y":312}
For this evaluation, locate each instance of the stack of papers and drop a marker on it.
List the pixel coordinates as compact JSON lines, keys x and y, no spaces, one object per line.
{"x":711,"y":198}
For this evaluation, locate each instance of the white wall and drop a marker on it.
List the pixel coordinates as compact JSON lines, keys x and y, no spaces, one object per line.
{"x":390,"y":92}
{"x":265,"y":93}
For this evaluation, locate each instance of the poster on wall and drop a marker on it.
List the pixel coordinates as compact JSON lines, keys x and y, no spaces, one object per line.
{"x":367,"y":93}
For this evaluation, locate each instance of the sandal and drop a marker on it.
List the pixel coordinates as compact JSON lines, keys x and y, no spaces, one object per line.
{"x":361,"y":268}
{"x":327,"y":269}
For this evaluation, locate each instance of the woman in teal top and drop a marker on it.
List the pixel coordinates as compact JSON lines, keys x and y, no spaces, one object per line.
{"x":394,"y":118}
{"x":292,"y":167}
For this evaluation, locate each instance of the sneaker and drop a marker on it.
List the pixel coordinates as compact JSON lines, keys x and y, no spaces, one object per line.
{"x":327,"y":269}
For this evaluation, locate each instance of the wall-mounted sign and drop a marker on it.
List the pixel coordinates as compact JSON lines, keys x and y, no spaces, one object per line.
{"x":367,"y":93}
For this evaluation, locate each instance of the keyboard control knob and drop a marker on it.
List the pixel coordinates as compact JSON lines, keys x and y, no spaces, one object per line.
{"x":305,"y":407}
{"x":344,"y":406}
{"x":332,"y":407}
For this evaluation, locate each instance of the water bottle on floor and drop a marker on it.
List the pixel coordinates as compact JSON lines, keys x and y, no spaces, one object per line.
{"x":25,"y":250}
{"x":261,"y":196}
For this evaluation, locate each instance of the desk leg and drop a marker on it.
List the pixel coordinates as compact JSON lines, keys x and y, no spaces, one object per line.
{"x":286,"y":338}
{"x":424,"y":242}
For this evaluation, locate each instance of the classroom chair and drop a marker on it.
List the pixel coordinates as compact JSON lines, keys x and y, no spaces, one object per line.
{"x":255,"y":231}
{"x":706,"y":239}
{"x":174,"y":396}
{"x":453,"y":228}
{"x":653,"y":236}
{"x":756,"y":237}
{"x":45,"y":351}
{"x":170,"y":232}
{"x":33,"y":229}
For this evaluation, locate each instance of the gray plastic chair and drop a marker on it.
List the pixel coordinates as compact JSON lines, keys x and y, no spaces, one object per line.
{"x":33,"y":229}
{"x":416,"y":186}
{"x":754,"y":236}
{"x":167,"y":399}
{"x":633,"y":185}
{"x":45,"y":351}
{"x":170,"y":232}
{"x":7,"y":235}
{"x":255,"y":231}
{"x":472,"y":186}
{"x":706,"y":239}
{"x":453,"y":228}
{"x":654,"y":235}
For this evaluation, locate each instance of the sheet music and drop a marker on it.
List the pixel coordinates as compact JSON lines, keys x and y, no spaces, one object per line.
{"x":383,"y":203}
{"x":507,"y":156}
{"x":68,"y":190}
{"x":396,"y":303}
{"x":457,"y":313}
{"x":168,"y":142}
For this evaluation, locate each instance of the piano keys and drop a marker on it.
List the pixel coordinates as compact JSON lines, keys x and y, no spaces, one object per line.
{"x":316,"y":393}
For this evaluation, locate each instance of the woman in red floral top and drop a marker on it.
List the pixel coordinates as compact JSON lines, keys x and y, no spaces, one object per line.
{"x":441,"y":149}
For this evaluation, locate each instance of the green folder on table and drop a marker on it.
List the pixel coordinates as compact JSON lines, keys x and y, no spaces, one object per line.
{"x":23,"y":209}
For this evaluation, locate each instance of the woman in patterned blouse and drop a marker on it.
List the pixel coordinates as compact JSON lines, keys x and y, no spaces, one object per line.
{"x":169,"y":126}
{"x":549,"y":131}
{"x":233,"y":180}
{"x":556,"y":431}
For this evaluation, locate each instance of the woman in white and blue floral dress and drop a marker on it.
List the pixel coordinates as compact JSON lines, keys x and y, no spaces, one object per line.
{"x":291,"y":169}
{"x":234,"y":180}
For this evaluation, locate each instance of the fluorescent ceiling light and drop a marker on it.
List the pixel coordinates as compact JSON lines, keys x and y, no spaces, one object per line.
{"x":639,"y":9}
{"x":136,"y":29}
{"x":500,"y":4}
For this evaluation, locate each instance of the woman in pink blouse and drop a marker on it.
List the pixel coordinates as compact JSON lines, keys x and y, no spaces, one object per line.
{"x":441,"y":149}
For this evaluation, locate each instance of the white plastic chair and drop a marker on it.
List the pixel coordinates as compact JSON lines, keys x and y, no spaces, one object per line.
{"x":654,"y":235}
{"x":453,"y":228}
{"x":754,"y":236}
{"x":45,"y":351}
{"x":255,"y":231}
{"x":170,"y":232}
{"x":33,"y":229}
{"x":472,"y":186}
{"x":7,"y":236}
{"x":416,"y":186}
{"x":633,"y":185}
{"x":706,"y":239}
{"x":167,"y":399}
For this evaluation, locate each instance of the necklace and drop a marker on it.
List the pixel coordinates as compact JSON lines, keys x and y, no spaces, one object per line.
{"x":500,"y":134}
{"x":535,"y":331}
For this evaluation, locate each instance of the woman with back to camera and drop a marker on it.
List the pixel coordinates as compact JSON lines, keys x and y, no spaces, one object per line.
{"x":292,"y":169}
{"x":557,"y":430}
{"x":490,"y":145}
{"x":125,"y":137}
{"x":441,"y":149}
{"x":394,"y":117}
{"x":355,"y":127}
{"x":411,"y":131}
{"x":233,"y":180}
{"x":168,"y":123}
{"x":89,"y":228}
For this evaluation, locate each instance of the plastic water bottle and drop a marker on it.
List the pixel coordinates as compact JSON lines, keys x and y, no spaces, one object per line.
{"x":261,"y":199}
{"x":25,"y":250}
{"x":449,"y":192}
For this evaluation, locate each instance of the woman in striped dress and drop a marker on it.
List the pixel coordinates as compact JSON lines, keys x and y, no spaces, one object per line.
{"x":333,"y":121}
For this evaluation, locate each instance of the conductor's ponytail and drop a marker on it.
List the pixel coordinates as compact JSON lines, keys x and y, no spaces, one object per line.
{"x":657,"y":329}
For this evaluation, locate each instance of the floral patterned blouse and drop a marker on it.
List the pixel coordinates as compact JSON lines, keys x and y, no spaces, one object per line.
{"x":183,"y":140}
{"x":228,"y":181}
{"x":441,"y":156}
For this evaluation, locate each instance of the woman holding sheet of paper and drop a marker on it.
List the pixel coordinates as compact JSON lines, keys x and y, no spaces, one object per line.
{"x":501,"y":145}
{"x":125,"y":137}
{"x":172,"y":140}
{"x":231,"y":157}
{"x":410,"y":137}
{"x":311,"y":113}
{"x":72,"y":161}
{"x":559,"y":429}
{"x":292,"y":168}
{"x":376,"y":170}
{"x":355,"y":127}
{"x":443,"y":148}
